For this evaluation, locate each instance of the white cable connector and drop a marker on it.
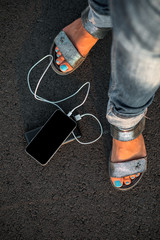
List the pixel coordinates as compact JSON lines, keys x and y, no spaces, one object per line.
{"x":77,"y":117}
{"x":69,"y":114}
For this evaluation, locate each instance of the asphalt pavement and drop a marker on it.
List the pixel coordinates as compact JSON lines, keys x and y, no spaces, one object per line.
{"x":71,"y":197}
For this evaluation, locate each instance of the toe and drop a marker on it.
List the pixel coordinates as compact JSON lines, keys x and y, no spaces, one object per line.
{"x":56,"y":49}
{"x":137,"y":175}
{"x":65,"y":67}
{"x":133,"y":176}
{"x":117,"y":182}
{"x":59,"y":60}
{"x":58,"y":54}
{"x":127,"y":180}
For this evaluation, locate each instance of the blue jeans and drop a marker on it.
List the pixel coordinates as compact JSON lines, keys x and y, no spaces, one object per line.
{"x":135,"y":58}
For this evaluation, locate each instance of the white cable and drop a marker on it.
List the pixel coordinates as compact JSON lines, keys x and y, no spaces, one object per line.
{"x":88,"y":114}
{"x":70,"y":113}
{"x":53,"y":102}
{"x":28,"y":81}
{"x":59,"y":101}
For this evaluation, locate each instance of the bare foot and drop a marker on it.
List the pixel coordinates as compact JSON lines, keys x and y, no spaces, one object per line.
{"x":80,"y":38}
{"x":124,"y":151}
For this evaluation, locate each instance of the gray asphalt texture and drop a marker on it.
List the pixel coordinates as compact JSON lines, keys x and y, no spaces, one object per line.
{"x":72,"y":197}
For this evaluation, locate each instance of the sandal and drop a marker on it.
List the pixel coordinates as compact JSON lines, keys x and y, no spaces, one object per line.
{"x":131,"y":167}
{"x":68,"y":50}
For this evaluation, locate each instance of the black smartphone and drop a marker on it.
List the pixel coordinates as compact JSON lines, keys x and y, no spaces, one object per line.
{"x":51,"y":136}
{"x":29,"y":135}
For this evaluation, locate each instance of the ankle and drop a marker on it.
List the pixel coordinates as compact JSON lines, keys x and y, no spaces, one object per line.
{"x":81,"y":39}
{"x":123,"y":151}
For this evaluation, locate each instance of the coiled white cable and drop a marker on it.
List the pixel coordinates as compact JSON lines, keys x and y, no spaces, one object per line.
{"x":89,"y":114}
{"x":62,"y":100}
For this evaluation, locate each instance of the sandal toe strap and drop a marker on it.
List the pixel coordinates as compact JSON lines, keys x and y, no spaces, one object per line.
{"x":127,"y":168}
{"x":68,"y":50}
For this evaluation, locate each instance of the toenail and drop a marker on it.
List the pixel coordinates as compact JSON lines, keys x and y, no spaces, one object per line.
{"x":127,"y":183}
{"x":118,"y":183}
{"x":58,"y":55}
{"x":132,"y":177}
{"x":137,"y":175}
{"x":56,"y":50}
{"x":57,"y":61}
{"x":63,"y":68}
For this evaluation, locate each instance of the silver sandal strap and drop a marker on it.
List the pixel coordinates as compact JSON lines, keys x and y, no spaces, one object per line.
{"x":68,"y":50}
{"x":128,"y":134}
{"x":96,"y":32}
{"x":127,"y":168}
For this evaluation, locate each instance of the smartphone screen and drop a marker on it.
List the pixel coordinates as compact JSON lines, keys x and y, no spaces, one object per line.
{"x":47,"y":141}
